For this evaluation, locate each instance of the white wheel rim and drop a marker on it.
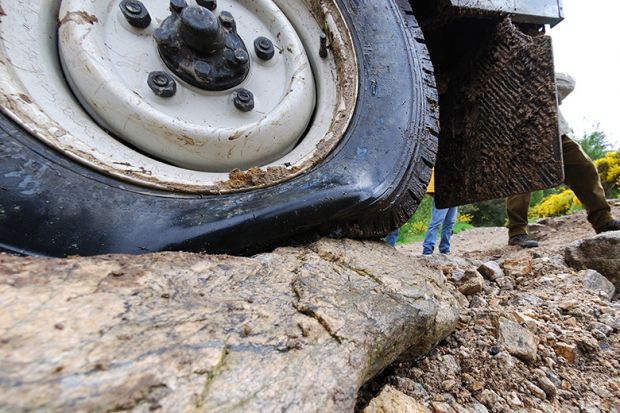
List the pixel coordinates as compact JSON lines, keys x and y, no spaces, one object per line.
{"x":108,"y":64}
{"x":34,"y":93}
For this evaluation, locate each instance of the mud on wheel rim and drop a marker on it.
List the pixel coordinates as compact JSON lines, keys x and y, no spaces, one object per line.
{"x":91,"y":80}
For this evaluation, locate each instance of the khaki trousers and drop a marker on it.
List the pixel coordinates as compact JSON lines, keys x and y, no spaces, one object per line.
{"x":581,"y":176}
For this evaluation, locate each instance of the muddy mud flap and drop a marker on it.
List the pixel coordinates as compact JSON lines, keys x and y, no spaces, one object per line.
{"x":499,"y":126}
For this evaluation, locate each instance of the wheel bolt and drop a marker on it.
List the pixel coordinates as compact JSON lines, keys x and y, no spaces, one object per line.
{"x":228,"y":21}
{"x":323,"y":49}
{"x":241,"y":56}
{"x":177,"y":6}
{"x":202,"y":69}
{"x":243,"y":100}
{"x":264,"y":48}
{"x":136,"y":13}
{"x":162,"y":84}
{"x":209,"y":4}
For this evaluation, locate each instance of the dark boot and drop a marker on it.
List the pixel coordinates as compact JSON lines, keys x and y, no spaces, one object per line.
{"x":613,"y":225}
{"x":523,"y":241}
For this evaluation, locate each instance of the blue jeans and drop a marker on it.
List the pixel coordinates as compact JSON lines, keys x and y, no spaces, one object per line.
{"x":444,"y":218}
{"x":392,"y":237}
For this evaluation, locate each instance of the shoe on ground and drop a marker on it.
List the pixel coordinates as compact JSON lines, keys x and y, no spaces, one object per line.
{"x":523,"y":241}
{"x":613,"y":225}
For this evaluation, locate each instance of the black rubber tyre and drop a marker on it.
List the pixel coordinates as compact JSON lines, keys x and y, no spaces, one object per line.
{"x":369,"y":185}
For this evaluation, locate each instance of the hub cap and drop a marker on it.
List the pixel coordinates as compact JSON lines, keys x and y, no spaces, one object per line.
{"x":203,"y":50}
{"x":203,"y":120}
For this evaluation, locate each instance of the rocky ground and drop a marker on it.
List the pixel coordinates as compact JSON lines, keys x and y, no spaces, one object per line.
{"x":301,"y":329}
{"x":534,"y":335}
{"x":297,"y":329}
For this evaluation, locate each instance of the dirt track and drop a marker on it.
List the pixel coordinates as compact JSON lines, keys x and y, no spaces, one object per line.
{"x":491,"y":242}
{"x":564,"y":357}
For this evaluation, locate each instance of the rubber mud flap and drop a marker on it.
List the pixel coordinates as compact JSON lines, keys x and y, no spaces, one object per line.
{"x":499,"y":127}
{"x":370,"y":183}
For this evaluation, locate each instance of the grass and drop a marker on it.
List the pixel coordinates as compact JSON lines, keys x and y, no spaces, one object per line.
{"x":415,"y":229}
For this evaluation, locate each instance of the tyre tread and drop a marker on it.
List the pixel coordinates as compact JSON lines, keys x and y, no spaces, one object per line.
{"x":412,"y":188}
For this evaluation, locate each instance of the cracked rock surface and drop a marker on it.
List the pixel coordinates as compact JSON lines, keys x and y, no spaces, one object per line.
{"x":299,"y":329}
{"x":540,"y":336}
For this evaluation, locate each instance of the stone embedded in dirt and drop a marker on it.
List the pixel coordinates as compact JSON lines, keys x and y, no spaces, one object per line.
{"x":587,"y":344}
{"x":441,"y":407}
{"x":445,"y":262}
{"x":391,"y":400}
{"x":535,"y":390}
{"x":411,"y":388}
{"x":471,"y":283}
{"x":518,"y":341}
{"x":478,"y":302}
{"x":456,"y":275}
{"x":517,"y":267}
{"x":491,"y":270}
{"x":568,"y":351}
{"x":487,"y":397}
{"x":600,"y":253}
{"x":299,"y":329}
{"x":505,"y":283}
{"x":594,"y":281}
{"x":552,"y":303}
{"x":604,"y":328}
{"x":546,"y":385}
{"x":611,"y":321}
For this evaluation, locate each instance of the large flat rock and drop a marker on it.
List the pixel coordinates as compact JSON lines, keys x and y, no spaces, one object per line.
{"x":296,"y":330}
{"x":600,"y":253}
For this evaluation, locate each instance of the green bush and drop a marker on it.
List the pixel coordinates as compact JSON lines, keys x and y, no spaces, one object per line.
{"x":415,"y":229}
{"x":595,"y":144}
{"x":486,"y":214}
{"x":556,"y":204}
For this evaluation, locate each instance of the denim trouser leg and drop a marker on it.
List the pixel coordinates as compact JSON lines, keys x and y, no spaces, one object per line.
{"x":446,"y":230}
{"x":392,"y":237}
{"x":437,"y":218}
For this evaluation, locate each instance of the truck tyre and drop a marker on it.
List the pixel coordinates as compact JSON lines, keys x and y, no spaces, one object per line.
{"x":57,"y":198}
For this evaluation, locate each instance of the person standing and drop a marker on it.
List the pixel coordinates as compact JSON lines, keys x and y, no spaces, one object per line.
{"x":444,"y":218}
{"x":580,"y":175}
{"x":392,"y":237}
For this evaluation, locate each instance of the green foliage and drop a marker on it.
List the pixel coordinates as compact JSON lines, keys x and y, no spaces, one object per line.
{"x":595,"y":144}
{"x":461,"y":226}
{"x":415,"y":229}
{"x":536,"y":197}
{"x":609,"y":171}
{"x":486,"y":214}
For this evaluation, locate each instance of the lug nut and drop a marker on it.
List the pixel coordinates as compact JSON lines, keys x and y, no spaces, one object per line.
{"x":264,"y":48}
{"x":323,"y":49}
{"x":209,"y":4}
{"x":241,"y":56}
{"x":228,"y":21}
{"x":162,"y":84}
{"x":243,"y":100}
{"x":177,"y":6}
{"x":203,"y":70}
{"x":136,"y":13}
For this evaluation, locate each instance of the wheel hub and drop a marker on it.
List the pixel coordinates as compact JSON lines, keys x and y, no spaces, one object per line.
{"x":202,"y":49}
{"x":189,"y":139}
{"x":195,"y":96}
